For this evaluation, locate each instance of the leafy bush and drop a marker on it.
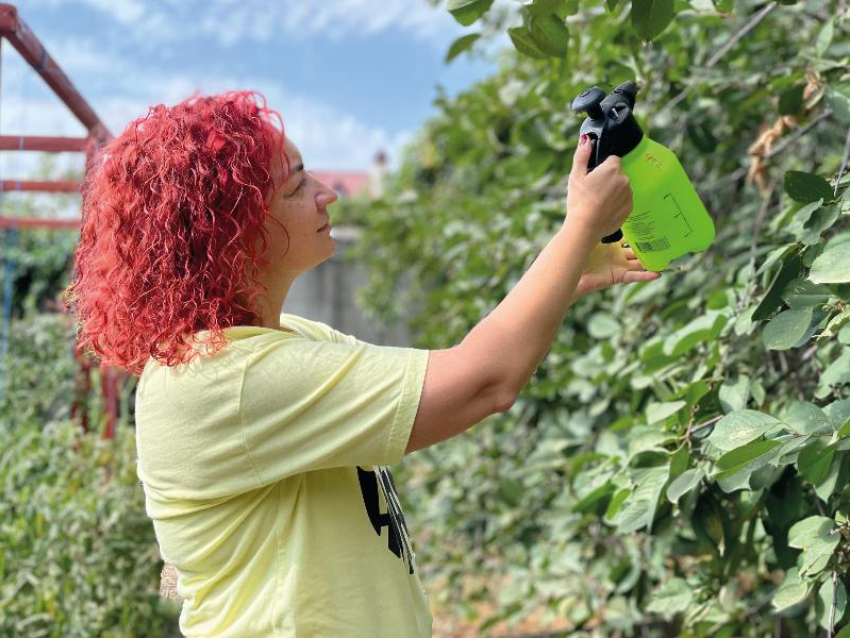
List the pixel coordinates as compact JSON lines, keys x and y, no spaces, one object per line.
{"x":38,"y":374}
{"x":78,"y":556}
{"x":679,"y":463}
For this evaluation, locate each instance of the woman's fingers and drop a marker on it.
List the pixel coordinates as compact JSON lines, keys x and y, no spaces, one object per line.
{"x":634,"y":276}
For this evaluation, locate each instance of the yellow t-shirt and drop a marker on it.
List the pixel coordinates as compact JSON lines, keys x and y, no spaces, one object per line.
{"x":264,"y":471}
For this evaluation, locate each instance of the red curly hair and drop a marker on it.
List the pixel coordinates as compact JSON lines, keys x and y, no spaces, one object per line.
{"x":172,"y":212}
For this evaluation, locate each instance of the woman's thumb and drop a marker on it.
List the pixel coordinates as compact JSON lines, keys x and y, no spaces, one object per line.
{"x":582,"y":155}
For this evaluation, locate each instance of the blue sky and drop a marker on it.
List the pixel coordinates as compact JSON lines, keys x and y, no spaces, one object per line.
{"x":348,"y":76}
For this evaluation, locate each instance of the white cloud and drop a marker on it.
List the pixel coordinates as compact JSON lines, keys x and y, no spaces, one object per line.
{"x":328,"y":137}
{"x":332,"y":19}
{"x":124,"y":11}
{"x":233,"y":21}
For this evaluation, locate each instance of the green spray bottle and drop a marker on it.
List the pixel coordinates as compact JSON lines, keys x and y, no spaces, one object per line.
{"x":667,"y":219}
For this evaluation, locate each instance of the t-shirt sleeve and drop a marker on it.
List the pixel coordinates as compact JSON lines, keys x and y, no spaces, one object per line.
{"x":309,"y":405}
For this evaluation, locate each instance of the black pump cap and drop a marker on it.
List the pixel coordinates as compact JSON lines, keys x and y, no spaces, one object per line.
{"x":610,"y":125}
{"x":610,"y":122}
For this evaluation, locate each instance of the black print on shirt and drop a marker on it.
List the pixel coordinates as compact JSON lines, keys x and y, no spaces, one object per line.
{"x":393,"y":519}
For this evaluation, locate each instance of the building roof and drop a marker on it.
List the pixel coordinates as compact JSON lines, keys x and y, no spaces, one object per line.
{"x":344,"y":182}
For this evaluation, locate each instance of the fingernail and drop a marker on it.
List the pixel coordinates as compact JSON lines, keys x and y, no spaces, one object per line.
{"x":582,"y":139}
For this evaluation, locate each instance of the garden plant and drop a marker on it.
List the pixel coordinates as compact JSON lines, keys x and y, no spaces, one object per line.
{"x":679,"y":464}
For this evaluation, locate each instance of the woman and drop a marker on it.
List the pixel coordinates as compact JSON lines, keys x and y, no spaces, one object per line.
{"x":264,"y":438}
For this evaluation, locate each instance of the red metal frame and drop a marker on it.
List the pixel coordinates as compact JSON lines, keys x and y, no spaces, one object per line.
{"x":16,"y":31}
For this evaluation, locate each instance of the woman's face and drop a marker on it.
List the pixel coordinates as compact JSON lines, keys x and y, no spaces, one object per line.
{"x":300,"y":204}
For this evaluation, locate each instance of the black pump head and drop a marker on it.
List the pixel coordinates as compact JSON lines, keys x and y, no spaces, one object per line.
{"x":610,"y":125}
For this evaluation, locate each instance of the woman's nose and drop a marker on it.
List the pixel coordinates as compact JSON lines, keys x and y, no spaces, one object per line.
{"x":326,"y":197}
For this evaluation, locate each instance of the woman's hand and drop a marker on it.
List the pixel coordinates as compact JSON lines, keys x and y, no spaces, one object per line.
{"x":609,"y":264}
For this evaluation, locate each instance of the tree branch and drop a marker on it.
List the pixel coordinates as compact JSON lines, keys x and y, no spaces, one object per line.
{"x":844,"y":160}
{"x":831,"y":628}
{"x":744,"y":30}
{"x":727,"y":46}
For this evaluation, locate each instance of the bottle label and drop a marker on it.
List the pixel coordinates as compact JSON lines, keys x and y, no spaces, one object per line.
{"x":641,"y":229}
{"x":645,"y":231}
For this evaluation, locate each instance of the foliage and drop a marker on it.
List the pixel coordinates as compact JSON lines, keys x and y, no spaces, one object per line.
{"x":79,"y":556}
{"x":39,"y":258}
{"x":679,"y":463}
{"x":39,"y":370}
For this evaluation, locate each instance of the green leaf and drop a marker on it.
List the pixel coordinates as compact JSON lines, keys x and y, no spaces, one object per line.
{"x":543,"y":7}
{"x":616,"y":503}
{"x":468,"y":11}
{"x":511,"y":491}
{"x":740,"y":427}
{"x":651,"y":17}
{"x":710,"y":523}
{"x":603,"y":325}
{"x":832,"y":266}
{"x":801,"y":293}
{"x":740,"y":458}
{"x":787,"y":328}
{"x":703,"y":329}
{"x":524,"y":44}
{"x":839,"y":102}
{"x":639,"y":510}
{"x":791,"y":592}
{"x":844,"y":430}
{"x":825,"y":37}
{"x":671,"y":598}
{"x":821,"y":220}
{"x":591,"y":500}
{"x":792,"y":264}
{"x":826,"y":594}
{"x":838,"y":412}
{"x":679,"y":461}
{"x":815,"y":461}
{"x":807,"y":187}
{"x":656,"y":412}
{"x":815,"y":537}
{"x":839,"y":324}
{"x":550,"y":34}
{"x":734,"y":392}
{"x":791,"y":100}
{"x":838,"y":371}
{"x":683,"y":484}
{"x":806,"y":418}
{"x":463,"y":43}
{"x":804,"y":214}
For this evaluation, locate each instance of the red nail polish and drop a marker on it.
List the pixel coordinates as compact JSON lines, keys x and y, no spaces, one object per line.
{"x":583,"y":138}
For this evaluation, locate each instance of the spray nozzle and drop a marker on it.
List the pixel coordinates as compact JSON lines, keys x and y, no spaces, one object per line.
{"x":626,"y":92}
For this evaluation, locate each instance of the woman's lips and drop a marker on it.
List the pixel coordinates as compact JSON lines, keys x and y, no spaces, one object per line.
{"x":324,"y":228}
